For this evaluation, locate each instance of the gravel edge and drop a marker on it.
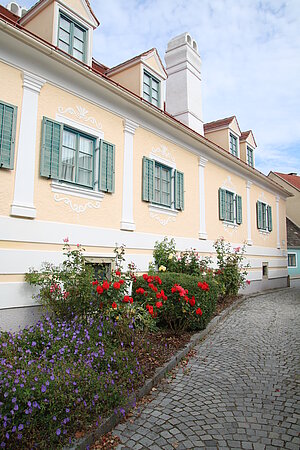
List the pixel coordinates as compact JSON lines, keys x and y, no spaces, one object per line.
{"x":114,"y":419}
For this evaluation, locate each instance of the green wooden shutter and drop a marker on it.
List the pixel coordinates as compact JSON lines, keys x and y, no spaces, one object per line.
{"x":270,"y":224}
{"x":51,"y":146}
{"x":179,"y":190}
{"x":8,"y":116}
{"x":148,"y":179}
{"x":238,"y":205}
{"x":222,"y":205}
{"x":107,"y":167}
{"x":259,"y":214}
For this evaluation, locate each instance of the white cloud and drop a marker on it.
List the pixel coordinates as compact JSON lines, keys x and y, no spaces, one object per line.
{"x":250,"y":60}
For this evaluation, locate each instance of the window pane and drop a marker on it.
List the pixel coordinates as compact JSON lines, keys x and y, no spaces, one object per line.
{"x":64,"y":24}
{"x":63,"y":46}
{"x":78,"y":55}
{"x":78,"y":45}
{"x":68,"y":156}
{"x":78,"y":33}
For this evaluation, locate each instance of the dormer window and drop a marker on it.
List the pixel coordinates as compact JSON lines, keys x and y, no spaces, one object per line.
{"x":72,"y":37}
{"x":233,"y":145}
{"x":151,"y":89}
{"x":250,"y":160}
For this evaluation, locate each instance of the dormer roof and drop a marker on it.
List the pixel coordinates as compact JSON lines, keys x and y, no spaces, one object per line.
{"x":249,"y":137}
{"x":221,"y":124}
{"x":143,"y":57}
{"x":41,"y":4}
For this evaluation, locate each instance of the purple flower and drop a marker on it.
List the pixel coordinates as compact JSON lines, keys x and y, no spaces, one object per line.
{"x":43,"y":388}
{"x":33,"y":344}
{"x":14,"y":400}
{"x":58,"y":431}
{"x":20,"y":427}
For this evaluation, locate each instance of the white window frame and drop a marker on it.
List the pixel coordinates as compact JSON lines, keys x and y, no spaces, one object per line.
{"x":296,"y":265}
{"x":251,"y":148}
{"x":155,"y":208}
{"x":226,"y":222}
{"x":145,"y":67}
{"x":63,"y":187}
{"x":237,"y":141}
{"x":59,"y":8}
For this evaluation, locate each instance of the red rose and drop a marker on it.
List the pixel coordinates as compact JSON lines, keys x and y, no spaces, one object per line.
{"x":126,"y":299}
{"x":158,"y":304}
{"x":140,"y":290}
{"x":118,"y":273}
{"x":199,"y":312}
{"x":114,"y":305}
{"x":131,"y":299}
{"x":105,"y":285}
{"x":150,"y":279}
{"x":200,"y":284}
{"x":165,"y":297}
{"x":192,"y":301}
{"x":158,"y":280}
{"x":99,"y":289}
{"x":94,"y":283}
{"x":145,"y":276}
{"x":121,"y":281}
{"x":158,"y":295}
{"x":116,"y":285}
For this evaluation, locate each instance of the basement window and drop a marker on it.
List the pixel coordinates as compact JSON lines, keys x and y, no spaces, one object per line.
{"x":265,"y":270}
{"x":102,"y":267}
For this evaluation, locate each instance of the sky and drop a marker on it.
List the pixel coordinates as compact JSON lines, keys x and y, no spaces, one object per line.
{"x":250,"y":52}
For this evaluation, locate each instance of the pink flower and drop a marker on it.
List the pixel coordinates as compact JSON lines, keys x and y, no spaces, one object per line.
{"x":237,"y":249}
{"x":248,"y":281}
{"x":66,"y":239}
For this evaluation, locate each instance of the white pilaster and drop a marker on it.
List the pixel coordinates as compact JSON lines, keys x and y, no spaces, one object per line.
{"x":127,"y":222}
{"x":248,"y":187}
{"x":24,"y":181}
{"x":202,"y":231}
{"x":277,"y":221}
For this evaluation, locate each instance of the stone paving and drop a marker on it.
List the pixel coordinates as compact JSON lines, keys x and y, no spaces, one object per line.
{"x":240,"y":391}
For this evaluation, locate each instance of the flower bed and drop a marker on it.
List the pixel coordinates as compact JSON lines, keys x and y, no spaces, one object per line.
{"x":59,"y":377}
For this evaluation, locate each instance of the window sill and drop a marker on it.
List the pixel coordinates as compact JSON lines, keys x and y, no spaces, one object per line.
{"x":264,"y":232}
{"x":76,"y":191}
{"x":230,"y":224}
{"x":163,"y":210}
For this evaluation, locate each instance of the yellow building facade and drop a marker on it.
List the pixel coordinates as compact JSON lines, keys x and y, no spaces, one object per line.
{"x":108,"y":156}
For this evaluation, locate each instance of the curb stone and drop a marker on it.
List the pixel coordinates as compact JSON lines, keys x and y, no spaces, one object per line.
{"x":115,"y":418}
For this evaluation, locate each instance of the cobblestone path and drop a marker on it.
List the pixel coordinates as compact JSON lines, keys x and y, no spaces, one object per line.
{"x":240,"y":391}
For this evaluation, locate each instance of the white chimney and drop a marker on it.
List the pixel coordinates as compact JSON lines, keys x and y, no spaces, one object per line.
{"x":183,"y":85}
{"x":16,"y":9}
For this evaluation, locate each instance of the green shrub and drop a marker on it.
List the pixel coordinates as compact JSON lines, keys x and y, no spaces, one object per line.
{"x":58,"y":377}
{"x":65,"y":289}
{"x":178,"y":301}
{"x":188,"y":261}
{"x":231,"y":272}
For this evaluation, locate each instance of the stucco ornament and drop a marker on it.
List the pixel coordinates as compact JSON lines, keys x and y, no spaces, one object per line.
{"x":163,"y":151}
{"x":228,"y":184}
{"x":77,"y":208}
{"x":81,"y":113}
{"x":161,"y":219}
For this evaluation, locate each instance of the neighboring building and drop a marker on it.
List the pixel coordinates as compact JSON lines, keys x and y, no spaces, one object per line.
{"x":118,"y":155}
{"x":291,"y":182}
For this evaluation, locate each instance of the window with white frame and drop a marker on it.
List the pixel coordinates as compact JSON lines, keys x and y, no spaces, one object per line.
{"x":230,"y":207}
{"x":264,"y":216}
{"x":292,"y":260}
{"x":72,"y":37}
{"x":233,"y":144}
{"x":72,"y":156}
{"x":250,"y":159}
{"x":151,"y":89}
{"x":162,"y":185}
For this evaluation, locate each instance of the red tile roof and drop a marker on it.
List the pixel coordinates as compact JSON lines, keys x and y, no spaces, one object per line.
{"x":245,"y":134}
{"x":292,"y":179}
{"x":136,"y":58}
{"x":8,"y":14}
{"x":218,"y":124}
